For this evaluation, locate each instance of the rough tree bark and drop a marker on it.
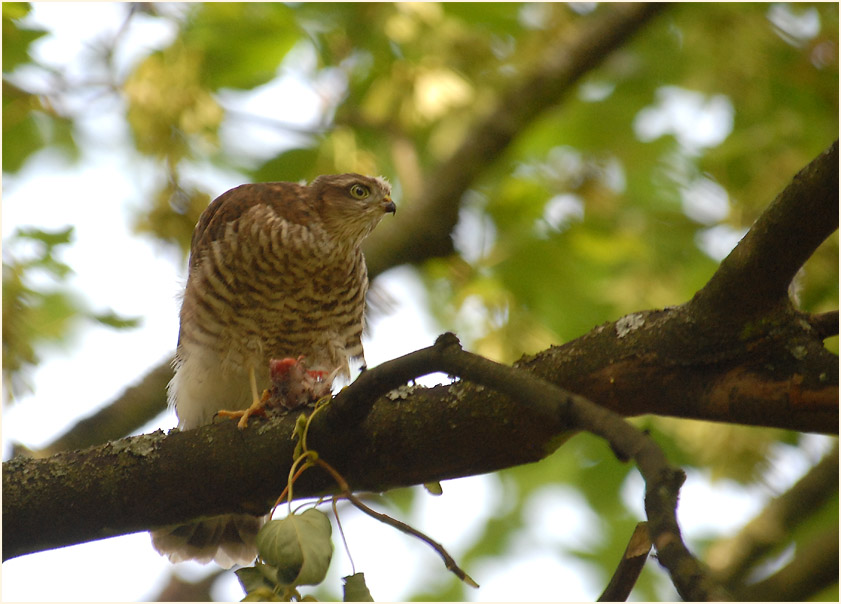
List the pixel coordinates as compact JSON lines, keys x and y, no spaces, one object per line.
{"x":760,"y":362}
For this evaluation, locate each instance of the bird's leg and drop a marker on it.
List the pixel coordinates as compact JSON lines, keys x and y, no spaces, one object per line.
{"x":257,"y":404}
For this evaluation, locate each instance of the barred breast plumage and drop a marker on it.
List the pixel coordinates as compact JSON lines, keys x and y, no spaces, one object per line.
{"x":276,"y":270}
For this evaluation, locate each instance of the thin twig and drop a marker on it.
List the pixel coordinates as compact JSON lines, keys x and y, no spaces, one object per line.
{"x":342,"y":533}
{"x":556,"y":404}
{"x":449,"y":562}
{"x":288,"y":488}
{"x":826,"y":324}
{"x":311,"y":458}
{"x":630,"y":566}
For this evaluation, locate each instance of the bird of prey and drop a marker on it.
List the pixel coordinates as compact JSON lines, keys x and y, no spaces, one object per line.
{"x":276,"y":271}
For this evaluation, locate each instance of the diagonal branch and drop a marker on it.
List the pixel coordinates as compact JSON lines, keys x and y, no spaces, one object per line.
{"x":135,"y":407}
{"x":813,"y":569}
{"x":433,"y":216}
{"x":552,"y":404}
{"x":630,"y":567}
{"x":757,"y":273}
{"x":346,"y":492}
{"x":733,"y":559}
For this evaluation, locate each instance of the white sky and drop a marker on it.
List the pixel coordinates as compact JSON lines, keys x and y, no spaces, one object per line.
{"x":119,"y":271}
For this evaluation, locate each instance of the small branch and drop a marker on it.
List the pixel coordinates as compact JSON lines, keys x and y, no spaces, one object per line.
{"x":547,"y":401}
{"x":756,"y":275}
{"x":354,"y":403}
{"x":662,"y":481}
{"x":630,"y":567}
{"x":814,"y":568}
{"x":449,"y":562}
{"x":826,"y":324}
{"x":732,"y":559}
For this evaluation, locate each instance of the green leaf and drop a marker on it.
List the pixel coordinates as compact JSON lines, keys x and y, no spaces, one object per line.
{"x":112,"y":319}
{"x":20,"y":140}
{"x":28,"y":127}
{"x":16,"y":41}
{"x":254,"y":578}
{"x":289,"y":166}
{"x":242,"y":43}
{"x":299,"y":546}
{"x":355,"y":589}
{"x":262,"y":595}
{"x":50,"y":238}
{"x":16,"y":10}
{"x":498,"y":17}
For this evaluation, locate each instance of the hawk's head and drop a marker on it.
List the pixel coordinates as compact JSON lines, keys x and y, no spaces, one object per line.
{"x":351,"y":205}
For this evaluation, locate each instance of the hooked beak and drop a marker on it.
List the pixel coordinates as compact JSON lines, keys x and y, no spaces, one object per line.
{"x":388,"y":206}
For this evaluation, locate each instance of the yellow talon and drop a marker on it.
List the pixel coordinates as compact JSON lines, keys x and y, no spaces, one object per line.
{"x":257,"y":404}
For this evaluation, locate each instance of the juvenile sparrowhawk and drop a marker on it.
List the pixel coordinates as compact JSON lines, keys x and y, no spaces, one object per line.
{"x":275,"y":271}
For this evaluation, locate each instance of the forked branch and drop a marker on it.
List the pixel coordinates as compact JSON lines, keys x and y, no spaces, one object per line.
{"x":556,"y":405}
{"x":756,"y":275}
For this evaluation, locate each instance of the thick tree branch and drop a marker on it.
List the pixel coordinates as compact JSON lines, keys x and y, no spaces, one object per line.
{"x":774,"y":372}
{"x":106,"y":490}
{"x":333,"y":436}
{"x":733,"y":353}
{"x":756,"y":275}
{"x":434,"y":214}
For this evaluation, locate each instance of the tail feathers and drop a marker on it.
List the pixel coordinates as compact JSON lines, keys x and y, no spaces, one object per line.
{"x":228,"y":540}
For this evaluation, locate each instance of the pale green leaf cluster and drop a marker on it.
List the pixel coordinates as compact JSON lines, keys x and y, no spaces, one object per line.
{"x":38,"y":308}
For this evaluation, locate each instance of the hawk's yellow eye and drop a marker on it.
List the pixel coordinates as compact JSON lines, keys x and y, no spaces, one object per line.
{"x":359,"y":191}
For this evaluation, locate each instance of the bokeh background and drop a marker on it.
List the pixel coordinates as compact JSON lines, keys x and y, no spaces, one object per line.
{"x":623,"y":192}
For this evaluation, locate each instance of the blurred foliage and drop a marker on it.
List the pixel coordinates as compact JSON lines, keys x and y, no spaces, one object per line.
{"x":620,"y":197}
{"x":30,"y":316}
{"x":38,"y":308}
{"x":30,"y":123}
